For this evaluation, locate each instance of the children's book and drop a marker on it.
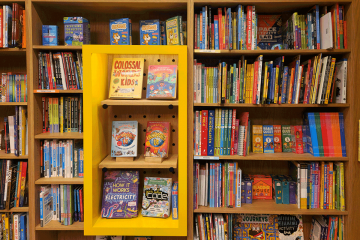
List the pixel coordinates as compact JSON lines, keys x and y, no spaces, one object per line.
{"x":250,"y":227}
{"x":174,"y":200}
{"x":126,"y":78}
{"x":286,"y":138}
{"x":269,"y":32}
{"x":124,"y":139}
{"x":120,"y":194}
{"x":120,"y":31}
{"x":157,"y":139}
{"x":268,"y":138}
{"x":150,"y":32}
{"x":46,"y":206}
{"x":163,"y":32}
{"x":290,"y":227}
{"x":257,"y":139}
{"x":156,"y":197}
{"x":173,"y":26}
{"x":161,"y":83}
{"x":77,"y":31}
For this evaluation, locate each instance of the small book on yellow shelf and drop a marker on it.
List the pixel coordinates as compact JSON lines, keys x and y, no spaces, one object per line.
{"x":126,"y":78}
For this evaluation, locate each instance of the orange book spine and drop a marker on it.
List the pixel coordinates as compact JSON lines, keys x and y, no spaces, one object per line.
{"x":19,"y":185}
{"x":290,"y":93}
{"x":345,"y":35}
{"x":335,"y":127}
{"x":23,"y":44}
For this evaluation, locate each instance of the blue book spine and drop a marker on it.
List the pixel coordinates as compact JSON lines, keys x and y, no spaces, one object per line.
{"x":285,"y":191}
{"x":216,"y":34}
{"x":211,"y":133}
{"x":230,"y":28}
{"x":41,"y":210}
{"x":81,"y":162}
{"x":313,"y":135}
{"x":222,"y":132}
{"x":270,"y":65}
{"x":78,"y":203}
{"x":309,"y":32}
{"x":342,"y":133}
{"x":243,"y":31}
{"x":203,"y":28}
{"x":239,"y":26}
{"x":317,"y":27}
{"x":213,"y":184}
{"x":285,"y":83}
{"x":219,"y":185}
{"x":22,"y":227}
{"x":295,"y":82}
{"x":268,"y":137}
{"x":75,"y":206}
{"x":54,"y":159}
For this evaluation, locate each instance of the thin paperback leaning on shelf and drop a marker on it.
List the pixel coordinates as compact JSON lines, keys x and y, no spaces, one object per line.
{"x":248,"y":227}
{"x":120,"y":194}
{"x":126,"y":78}
{"x":161,"y":83}
{"x":124,"y":139}
{"x":156,"y":197}
{"x":157,"y":139}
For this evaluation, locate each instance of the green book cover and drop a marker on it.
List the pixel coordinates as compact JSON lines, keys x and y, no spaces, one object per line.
{"x":286,"y":138}
{"x":319,"y":134}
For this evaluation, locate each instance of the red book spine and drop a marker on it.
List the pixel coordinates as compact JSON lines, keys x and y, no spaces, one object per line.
{"x":345,"y":35}
{"x":81,"y":205}
{"x":19,"y":184}
{"x":12,"y":25}
{"x":65,"y":72}
{"x":233,"y":132}
{"x":1,"y":27}
{"x":298,"y":139}
{"x":195,"y":22}
{"x":337,"y":26}
{"x":220,"y":29}
{"x":277,"y":138}
{"x":204,"y":132}
{"x":256,"y":73}
{"x":324,"y":134}
{"x":248,"y":27}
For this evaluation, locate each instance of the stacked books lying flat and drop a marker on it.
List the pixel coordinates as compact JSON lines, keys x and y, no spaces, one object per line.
{"x":63,"y":203}
{"x":12,"y":26}
{"x":14,"y":226}
{"x":63,"y":114}
{"x":14,"y":135}
{"x":62,"y":158}
{"x":13,"y":87}
{"x":241,"y":28}
{"x":253,"y":226}
{"x":319,"y":80}
{"x":219,"y":132}
{"x":60,"y":70}
{"x":14,"y":190}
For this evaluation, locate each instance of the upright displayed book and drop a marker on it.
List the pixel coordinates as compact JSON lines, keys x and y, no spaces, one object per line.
{"x":120,"y":31}
{"x":156,"y":197}
{"x":120,"y":194}
{"x":157,"y":139}
{"x":150,"y":32}
{"x":173,"y":31}
{"x":255,"y":227}
{"x":269,"y":32}
{"x":290,"y":227}
{"x":46,"y":206}
{"x":124,"y":139}
{"x":162,"y":81}
{"x":126,"y":78}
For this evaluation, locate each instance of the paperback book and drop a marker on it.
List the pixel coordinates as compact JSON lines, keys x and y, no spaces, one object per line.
{"x":161,"y":83}
{"x":150,"y":32}
{"x":124,"y":139}
{"x":157,"y":139}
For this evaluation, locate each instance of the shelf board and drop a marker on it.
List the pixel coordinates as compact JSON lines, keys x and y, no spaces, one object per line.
{"x":139,"y":162}
{"x":282,"y":157}
{"x":59,"y":180}
{"x":4,"y":155}
{"x":269,"y":207}
{"x":331,"y":105}
{"x":57,"y":91}
{"x":60,"y":47}
{"x":12,"y":50}
{"x":13,"y":103}
{"x":16,"y":209}
{"x":56,"y":225}
{"x":66,"y":135}
{"x":139,"y":102}
{"x":199,"y":52}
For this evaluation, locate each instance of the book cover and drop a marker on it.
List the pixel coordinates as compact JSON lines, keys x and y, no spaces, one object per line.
{"x":269,"y":32}
{"x":268,"y":135}
{"x":157,"y":139}
{"x":298,"y":139}
{"x":46,"y":206}
{"x":204,"y":132}
{"x":286,"y":138}
{"x":249,"y":227}
{"x":150,"y":32}
{"x":290,"y":227}
{"x":126,"y":78}
{"x":50,"y":35}
{"x":124,"y":139}
{"x":120,"y":194}
{"x":161,"y":82}
{"x":340,"y":81}
{"x":174,"y":200}
{"x":120,"y":31}
{"x":163,"y":32}
{"x":257,"y":138}
{"x":262,"y":187}
{"x":173,"y":31}
{"x":211,"y":133}
{"x":156,"y":197}
{"x":277,"y":138}
{"x":77,"y":31}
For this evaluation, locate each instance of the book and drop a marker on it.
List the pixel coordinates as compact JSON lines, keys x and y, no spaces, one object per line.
{"x":340,"y":81}
{"x":173,"y":30}
{"x":161,"y":82}
{"x":120,"y":194}
{"x":269,"y":32}
{"x":257,"y":138}
{"x":174,"y":200}
{"x":120,"y":31}
{"x":157,"y":139}
{"x":290,"y":227}
{"x":156,"y":197}
{"x":46,"y":207}
{"x":126,"y":78}
{"x":124,"y":139}
{"x":268,"y":135}
{"x":248,"y":226}
{"x":326,"y":31}
{"x":50,"y":35}
{"x":76,"y":31}
{"x":150,"y":32}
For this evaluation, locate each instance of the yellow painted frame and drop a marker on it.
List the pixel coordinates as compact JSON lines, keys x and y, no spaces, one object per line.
{"x":95,"y":61}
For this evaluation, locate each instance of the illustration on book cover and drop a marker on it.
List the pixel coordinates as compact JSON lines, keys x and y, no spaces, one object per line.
{"x":161,"y":82}
{"x":124,"y":139}
{"x":157,"y":139}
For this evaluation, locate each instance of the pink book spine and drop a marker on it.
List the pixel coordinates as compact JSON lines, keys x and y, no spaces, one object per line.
{"x":236,"y":142}
{"x":329,"y":134}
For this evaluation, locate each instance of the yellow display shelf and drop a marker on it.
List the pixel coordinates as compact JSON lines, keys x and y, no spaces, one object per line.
{"x":139,"y":162}
{"x":140,"y":102}
{"x":97,"y":127}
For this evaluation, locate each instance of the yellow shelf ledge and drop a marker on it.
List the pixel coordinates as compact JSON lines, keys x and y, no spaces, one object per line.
{"x":139,"y":102}
{"x":139,"y":162}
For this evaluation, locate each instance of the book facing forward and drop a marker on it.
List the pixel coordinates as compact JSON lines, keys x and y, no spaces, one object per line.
{"x":161,"y":83}
{"x":157,"y":139}
{"x":124,"y":139}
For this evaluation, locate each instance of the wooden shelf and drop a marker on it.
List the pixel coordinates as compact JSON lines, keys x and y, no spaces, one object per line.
{"x":236,"y":105}
{"x":56,"y":225}
{"x":13,"y":103}
{"x":4,"y":155}
{"x":199,"y":52}
{"x":59,"y":180}
{"x":109,"y":162}
{"x":12,"y":49}
{"x":139,"y":102}
{"x":16,"y":209}
{"x":62,"y":47}
{"x":269,"y":207}
{"x":66,"y":135}
{"x":57,"y":91}
{"x":282,"y":157}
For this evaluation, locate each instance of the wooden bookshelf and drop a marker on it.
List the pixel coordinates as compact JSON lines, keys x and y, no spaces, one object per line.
{"x":248,"y":105}
{"x":56,"y":226}
{"x":15,"y":210}
{"x":13,"y":103}
{"x":4,"y":155}
{"x":57,"y":91}
{"x":59,"y":180}
{"x":65,"y":135}
{"x":139,"y":162}
{"x":140,"y":102}
{"x":57,"y":48}
{"x":228,"y":53}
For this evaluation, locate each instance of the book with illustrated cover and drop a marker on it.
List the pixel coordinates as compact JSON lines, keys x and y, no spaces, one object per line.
{"x":161,"y":83}
{"x":173,"y":29}
{"x":126,"y":78}
{"x":156,"y":197}
{"x":268,"y":138}
{"x":290,"y":227}
{"x":157,"y":139}
{"x":120,"y":194}
{"x":249,"y":227}
{"x":269,"y":32}
{"x":120,"y":31}
{"x":257,"y":139}
{"x":124,"y":139}
{"x":150,"y":32}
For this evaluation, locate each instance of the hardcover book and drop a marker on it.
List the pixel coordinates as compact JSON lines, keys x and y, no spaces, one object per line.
{"x":173,"y":26}
{"x":286,"y":138}
{"x":157,"y":139}
{"x":120,"y":194}
{"x":269,"y":32}
{"x":257,"y":139}
{"x":124,"y":139}
{"x":120,"y":31}
{"x":249,"y":227}
{"x":161,"y":83}
{"x":262,"y":187}
{"x":126,"y":78}
{"x":290,"y":227}
{"x":150,"y":32}
{"x":268,"y":138}
{"x":156,"y":197}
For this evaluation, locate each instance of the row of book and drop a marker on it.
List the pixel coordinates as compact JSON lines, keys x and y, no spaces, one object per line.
{"x":63,"y":203}
{"x":60,"y":70}
{"x":319,"y":80}
{"x":327,"y":227}
{"x":13,"y":188}
{"x":12,"y":26}
{"x":62,"y":158}
{"x":244,"y":29}
{"x":14,"y":226}
{"x":62,"y":114}
{"x":13,"y":87}
{"x":14,"y":135}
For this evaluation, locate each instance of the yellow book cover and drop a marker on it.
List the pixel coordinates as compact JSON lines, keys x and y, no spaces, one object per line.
{"x":342,"y":189}
{"x":50,"y":114}
{"x":6,"y":236}
{"x":126,"y":78}
{"x":276,"y":85}
{"x":331,"y":74}
{"x":251,"y":83}
{"x":61,"y":114}
{"x":244,"y":81}
{"x":248,"y":83}
{"x":318,"y":72}
{"x":322,"y":186}
{"x":265,"y":82}
{"x":216,"y":132}
{"x":257,"y":139}
{"x":56,"y":111}
{"x":313,"y":78}
{"x":223,"y":84}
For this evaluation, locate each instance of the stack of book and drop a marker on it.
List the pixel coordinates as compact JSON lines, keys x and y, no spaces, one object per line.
{"x":62,"y":158}
{"x":12,"y":26}
{"x":319,"y":80}
{"x":13,"y":87}
{"x":14,"y":226}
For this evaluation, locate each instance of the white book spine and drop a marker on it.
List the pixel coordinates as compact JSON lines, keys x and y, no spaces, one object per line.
{"x":259,"y":80}
{"x":16,"y":227}
{"x":7,"y":179}
{"x":298,"y":85}
{"x":321,"y":85}
{"x":238,"y":187}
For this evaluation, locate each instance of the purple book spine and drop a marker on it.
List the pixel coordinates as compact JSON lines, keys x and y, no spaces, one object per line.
{"x":248,"y":193}
{"x":243,"y":190}
{"x":292,"y":192}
